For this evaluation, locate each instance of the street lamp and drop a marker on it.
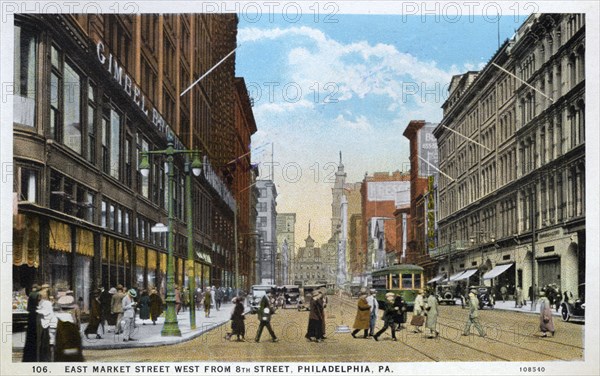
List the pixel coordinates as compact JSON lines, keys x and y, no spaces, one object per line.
{"x":171,"y":327}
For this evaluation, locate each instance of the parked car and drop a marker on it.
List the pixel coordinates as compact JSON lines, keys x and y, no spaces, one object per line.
{"x":256,"y":294}
{"x":445,"y":294}
{"x":572,"y":309}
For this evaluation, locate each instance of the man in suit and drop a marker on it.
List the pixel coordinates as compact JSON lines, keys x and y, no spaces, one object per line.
{"x":473,"y":315}
{"x":265,"y":310}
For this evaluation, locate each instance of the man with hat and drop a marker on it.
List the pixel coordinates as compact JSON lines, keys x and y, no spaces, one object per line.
{"x":389,"y":314}
{"x":361,"y":322}
{"x":128,"y":315}
{"x":374,"y":304}
{"x":473,"y":315}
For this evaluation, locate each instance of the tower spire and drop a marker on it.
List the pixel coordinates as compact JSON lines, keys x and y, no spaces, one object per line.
{"x":340,"y":157}
{"x":309,"y":227}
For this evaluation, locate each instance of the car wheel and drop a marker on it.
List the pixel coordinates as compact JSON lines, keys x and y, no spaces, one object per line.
{"x":564,"y":313}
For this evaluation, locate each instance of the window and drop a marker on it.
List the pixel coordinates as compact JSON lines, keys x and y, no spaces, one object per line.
{"x":25,"y":78}
{"x":91,"y":129}
{"x":27,"y":190}
{"x":72,"y":108}
{"x":407,"y":281}
{"x":105,"y":136}
{"x":142,"y":181}
{"x":115,"y":143}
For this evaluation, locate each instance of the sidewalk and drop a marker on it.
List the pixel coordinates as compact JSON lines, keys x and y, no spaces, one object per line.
{"x":148,"y":335}
{"x":509,"y":305}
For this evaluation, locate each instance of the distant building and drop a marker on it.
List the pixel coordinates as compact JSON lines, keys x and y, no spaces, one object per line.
{"x":267,"y":233}
{"x":286,"y":244}
{"x":309,"y":266}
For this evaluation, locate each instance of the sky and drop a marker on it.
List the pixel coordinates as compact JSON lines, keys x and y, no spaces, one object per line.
{"x":349,"y":83}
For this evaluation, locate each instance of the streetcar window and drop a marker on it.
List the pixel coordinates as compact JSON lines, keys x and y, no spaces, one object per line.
{"x":379,"y":281}
{"x":417,"y":281}
{"x":395,"y":281}
{"x":407,"y":281}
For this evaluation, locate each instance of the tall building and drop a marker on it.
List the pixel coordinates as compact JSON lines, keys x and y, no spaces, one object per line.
{"x":92,"y":92}
{"x":379,"y":194}
{"x":266,"y":226}
{"x":240,"y":170}
{"x":286,"y":247}
{"x":515,"y":212}
{"x":415,"y":224}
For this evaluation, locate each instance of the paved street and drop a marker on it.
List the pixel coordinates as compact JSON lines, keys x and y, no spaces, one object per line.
{"x":512,"y":336}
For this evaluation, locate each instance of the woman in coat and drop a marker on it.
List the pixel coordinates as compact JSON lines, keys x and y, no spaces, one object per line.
{"x":418,"y":310}
{"x":238,"y":328}
{"x":431,"y":311}
{"x":30,"y":350}
{"x":155,"y":305}
{"x":144,"y":307}
{"x":400,"y":316}
{"x":546,"y":322}
{"x":389,"y":315}
{"x":207,"y":301}
{"x":95,"y":316}
{"x":316,"y":318}
{"x":363,"y":315}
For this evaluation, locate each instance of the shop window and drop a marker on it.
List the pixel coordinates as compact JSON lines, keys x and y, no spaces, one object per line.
{"x":25,"y":77}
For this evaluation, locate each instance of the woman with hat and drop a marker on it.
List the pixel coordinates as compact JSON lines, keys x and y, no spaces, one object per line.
{"x":363,"y":313}
{"x":389,"y":314}
{"x":95,"y":315}
{"x":47,"y":325}
{"x":68,"y":338}
{"x":144,"y":306}
{"x":546,"y":321}
{"x":127,"y":325}
{"x":155,"y":305}
{"x":431,"y":311}
{"x":418,"y":318}
{"x":316,"y":317}
{"x":238,"y":328}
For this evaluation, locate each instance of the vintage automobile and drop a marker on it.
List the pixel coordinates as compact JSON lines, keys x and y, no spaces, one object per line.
{"x":484,"y":294}
{"x":445,"y":294}
{"x":572,"y":309}
{"x":256,"y":294}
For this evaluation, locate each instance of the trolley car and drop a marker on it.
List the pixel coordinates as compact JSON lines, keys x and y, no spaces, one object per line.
{"x":402,"y":279}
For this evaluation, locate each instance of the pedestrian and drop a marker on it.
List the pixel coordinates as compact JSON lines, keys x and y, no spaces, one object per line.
{"x":325,"y":301}
{"x":206,"y":301}
{"x":95,"y":315}
{"x":316,"y":317}
{"x":68,"y":346}
{"x":185,"y":299}
{"x":116,"y":308}
{"x":177,"y":300}
{"x":238,"y":328}
{"x":503,"y":293}
{"x":363,"y":315}
{"x":30,"y":349}
{"x":105,"y":302}
{"x":546,"y":321}
{"x":518,"y":297}
{"x":431,"y":312}
{"x":460,"y":293}
{"x":473,"y":315}
{"x":374,"y":304}
{"x":400,"y":316}
{"x":389,"y":314}
{"x":47,"y":325}
{"x":219,"y":298}
{"x":156,"y":307}
{"x":128,"y":323}
{"x":213,"y":297}
{"x":144,"y":306}
{"x":265,"y":310}
{"x":418,"y":318}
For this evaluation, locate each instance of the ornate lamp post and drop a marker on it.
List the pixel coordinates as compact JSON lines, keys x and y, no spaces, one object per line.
{"x":171,"y":327}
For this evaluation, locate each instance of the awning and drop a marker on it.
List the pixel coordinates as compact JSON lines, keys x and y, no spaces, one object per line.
{"x":498,"y":269}
{"x":433,"y":280}
{"x":454,"y":276}
{"x":466,"y":274}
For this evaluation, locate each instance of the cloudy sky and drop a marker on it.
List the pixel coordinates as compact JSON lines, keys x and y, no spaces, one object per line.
{"x":349,"y":83}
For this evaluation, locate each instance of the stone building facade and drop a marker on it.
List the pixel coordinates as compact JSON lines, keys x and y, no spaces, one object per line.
{"x":516,"y":207}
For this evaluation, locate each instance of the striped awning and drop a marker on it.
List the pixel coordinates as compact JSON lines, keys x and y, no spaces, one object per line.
{"x":433,"y":280}
{"x":496,"y":271}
